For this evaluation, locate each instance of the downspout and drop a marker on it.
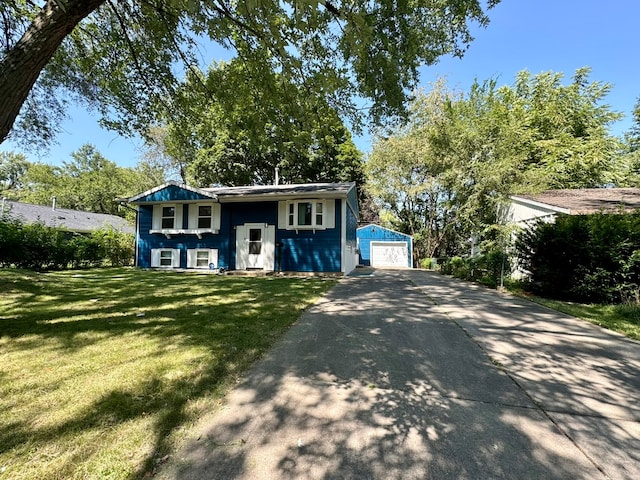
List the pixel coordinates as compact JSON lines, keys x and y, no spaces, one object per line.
{"x":135,"y":238}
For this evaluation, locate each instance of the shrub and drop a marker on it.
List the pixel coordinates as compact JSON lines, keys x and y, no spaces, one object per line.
{"x":587,"y":258}
{"x":38,"y":247}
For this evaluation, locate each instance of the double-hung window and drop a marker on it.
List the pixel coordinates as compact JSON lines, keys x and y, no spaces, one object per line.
{"x":306,"y":214}
{"x":205,"y":213}
{"x":202,"y":258}
{"x":165,"y":257}
{"x":168,"y":217}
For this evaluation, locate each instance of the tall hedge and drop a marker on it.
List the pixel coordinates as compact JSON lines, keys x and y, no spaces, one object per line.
{"x":38,"y":247}
{"x":585,"y":258}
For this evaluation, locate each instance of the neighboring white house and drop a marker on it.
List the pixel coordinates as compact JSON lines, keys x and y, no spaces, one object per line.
{"x":523,"y":210}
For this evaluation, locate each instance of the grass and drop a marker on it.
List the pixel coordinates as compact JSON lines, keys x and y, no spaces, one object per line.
{"x":622,"y":318}
{"x":102,"y":372}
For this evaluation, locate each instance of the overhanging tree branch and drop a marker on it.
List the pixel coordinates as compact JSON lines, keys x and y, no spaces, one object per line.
{"x":22,"y":64}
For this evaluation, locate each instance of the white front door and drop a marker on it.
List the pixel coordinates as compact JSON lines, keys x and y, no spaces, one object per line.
{"x":255,"y":246}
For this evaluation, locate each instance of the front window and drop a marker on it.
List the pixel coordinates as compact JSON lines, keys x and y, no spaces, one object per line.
{"x":166,"y":258}
{"x":304,"y":213}
{"x":308,"y":214}
{"x":202,"y":258}
{"x":204,"y":216}
{"x":168,"y":217}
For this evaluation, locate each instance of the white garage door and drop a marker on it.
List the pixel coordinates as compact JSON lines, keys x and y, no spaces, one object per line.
{"x":389,"y":254}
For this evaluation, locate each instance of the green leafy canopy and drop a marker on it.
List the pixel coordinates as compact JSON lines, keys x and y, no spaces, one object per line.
{"x":125,"y":58}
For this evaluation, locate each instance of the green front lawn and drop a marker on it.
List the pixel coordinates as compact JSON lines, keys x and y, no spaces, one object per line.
{"x":103,"y":371}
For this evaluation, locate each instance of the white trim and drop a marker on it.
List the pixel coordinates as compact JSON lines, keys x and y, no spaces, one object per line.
{"x":193,"y":218}
{"x":156,"y":254}
{"x":535,"y":203}
{"x":192,"y":258}
{"x":403,"y":244}
{"x":343,"y":237}
{"x":167,"y":232}
{"x":314,"y":203}
{"x":267,"y":251}
{"x":169,"y":184}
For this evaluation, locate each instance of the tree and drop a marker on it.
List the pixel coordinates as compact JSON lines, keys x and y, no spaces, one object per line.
{"x":444,"y":173}
{"x":89,"y":182}
{"x":13,"y":167}
{"x":120,"y":56}
{"x":410,"y":181}
{"x":238,"y":135}
{"x":632,"y":150}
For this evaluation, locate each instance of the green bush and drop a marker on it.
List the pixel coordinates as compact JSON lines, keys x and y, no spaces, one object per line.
{"x":38,"y":247}
{"x":486,"y":268}
{"x":587,"y":258}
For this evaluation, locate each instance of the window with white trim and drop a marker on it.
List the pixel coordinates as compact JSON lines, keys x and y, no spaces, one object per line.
{"x":205,"y":216}
{"x":305,"y":214}
{"x":202,"y":258}
{"x":168,"y":217}
{"x":165,"y":257}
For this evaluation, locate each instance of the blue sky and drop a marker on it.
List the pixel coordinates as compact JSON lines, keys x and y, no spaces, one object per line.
{"x":537,"y":35}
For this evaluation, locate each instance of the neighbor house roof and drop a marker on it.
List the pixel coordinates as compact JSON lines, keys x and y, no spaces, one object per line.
{"x":586,"y":200}
{"x":64,"y":218}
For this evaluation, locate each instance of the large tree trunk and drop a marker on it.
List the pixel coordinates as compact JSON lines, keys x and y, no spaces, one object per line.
{"x":21,"y":66}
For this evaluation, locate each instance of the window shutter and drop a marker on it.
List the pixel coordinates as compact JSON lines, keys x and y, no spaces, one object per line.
{"x":213,"y":257}
{"x":215,"y":221}
{"x":177,"y":224}
{"x":269,"y":248}
{"x":330,"y":213}
{"x":193,"y":215}
{"x":282,"y":215}
{"x":175,"y":261}
{"x":156,"y":221}
{"x":191,"y":258}
{"x":155,"y":256}
{"x":242,"y":247}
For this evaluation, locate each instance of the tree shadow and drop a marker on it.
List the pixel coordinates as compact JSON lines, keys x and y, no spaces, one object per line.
{"x":232,"y":321}
{"x":376,"y":381}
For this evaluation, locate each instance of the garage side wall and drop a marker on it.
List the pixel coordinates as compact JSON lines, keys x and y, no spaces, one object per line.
{"x":375,"y":233}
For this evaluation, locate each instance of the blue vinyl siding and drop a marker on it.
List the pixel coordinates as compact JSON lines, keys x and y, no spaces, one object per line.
{"x":306,"y":251}
{"x":377,"y":233}
{"x":352,"y":225}
{"x":147,"y":241}
{"x":301,"y":251}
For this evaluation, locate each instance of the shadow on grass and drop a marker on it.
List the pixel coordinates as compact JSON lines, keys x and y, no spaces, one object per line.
{"x":231,"y":321}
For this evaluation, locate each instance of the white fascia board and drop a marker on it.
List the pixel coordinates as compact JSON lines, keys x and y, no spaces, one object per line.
{"x":535,"y":203}
{"x":170,"y":184}
{"x":274,"y":197}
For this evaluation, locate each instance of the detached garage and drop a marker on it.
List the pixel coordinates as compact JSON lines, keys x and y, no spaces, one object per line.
{"x":383,"y":247}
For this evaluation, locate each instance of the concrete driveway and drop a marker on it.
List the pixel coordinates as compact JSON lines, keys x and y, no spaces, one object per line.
{"x":413,"y":375}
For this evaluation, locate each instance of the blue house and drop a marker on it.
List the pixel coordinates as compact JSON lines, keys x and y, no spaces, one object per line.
{"x":283,"y":228}
{"x":383,"y":247}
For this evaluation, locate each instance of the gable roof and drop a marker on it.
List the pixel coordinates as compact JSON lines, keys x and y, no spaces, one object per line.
{"x":255,"y":192}
{"x":583,"y":201}
{"x":373,"y":227}
{"x":159,"y":188}
{"x":64,"y":218}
